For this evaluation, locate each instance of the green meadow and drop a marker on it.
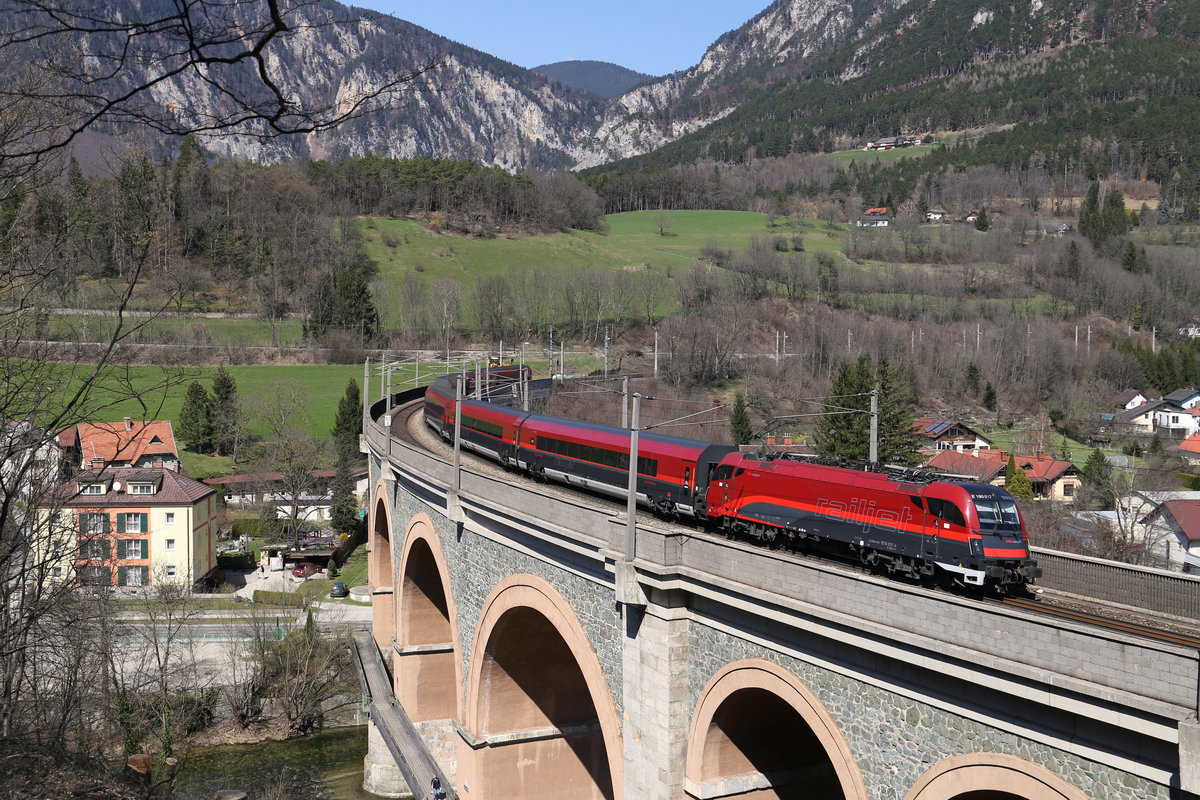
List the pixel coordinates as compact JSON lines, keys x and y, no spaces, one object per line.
{"x":405,"y":248}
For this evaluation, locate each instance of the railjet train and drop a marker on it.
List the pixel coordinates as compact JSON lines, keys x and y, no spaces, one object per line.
{"x":946,"y":532}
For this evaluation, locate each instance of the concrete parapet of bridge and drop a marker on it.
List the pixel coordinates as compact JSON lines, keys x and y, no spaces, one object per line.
{"x":737,"y":671}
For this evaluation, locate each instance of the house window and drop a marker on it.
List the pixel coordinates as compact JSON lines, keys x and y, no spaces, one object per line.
{"x":133,"y":576}
{"x":170,"y":517}
{"x":132,"y":549}
{"x":95,"y":524}
{"x":133,"y":523}
{"x":1068,"y":490}
{"x":96,"y":576}
{"x":170,"y":570}
{"x":141,"y":488}
{"x":56,"y":572}
{"x":95,"y":550}
{"x":170,"y":543}
{"x":93,"y":488}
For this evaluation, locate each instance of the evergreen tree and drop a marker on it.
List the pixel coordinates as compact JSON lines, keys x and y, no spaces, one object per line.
{"x":1064,"y":449}
{"x":989,"y":397}
{"x":1016,"y":482}
{"x":1097,"y":475}
{"x":981,"y":221}
{"x":847,"y":435}
{"x":972,"y":378}
{"x":224,"y":411}
{"x":195,"y":428}
{"x":922,"y":207}
{"x":739,"y":421}
{"x":347,"y":424}
{"x":344,"y":505}
{"x":899,"y":443}
{"x":1071,"y":267}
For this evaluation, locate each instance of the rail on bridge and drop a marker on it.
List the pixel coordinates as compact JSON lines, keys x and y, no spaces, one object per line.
{"x":399,"y":734}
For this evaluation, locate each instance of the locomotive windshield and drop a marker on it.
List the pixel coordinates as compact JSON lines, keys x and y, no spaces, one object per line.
{"x":997,"y":513}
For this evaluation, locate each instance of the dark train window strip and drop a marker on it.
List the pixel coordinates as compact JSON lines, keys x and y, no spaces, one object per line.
{"x":597,"y":455}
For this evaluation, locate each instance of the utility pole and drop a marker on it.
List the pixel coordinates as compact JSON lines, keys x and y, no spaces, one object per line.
{"x":631,"y":505}
{"x":458,"y":397}
{"x":625,"y":402}
{"x":605,"y":352}
{"x":656,"y":354}
{"x":874,"y":453}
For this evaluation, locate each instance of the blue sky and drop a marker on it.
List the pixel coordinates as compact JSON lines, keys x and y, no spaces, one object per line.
{"x":652,"y":36}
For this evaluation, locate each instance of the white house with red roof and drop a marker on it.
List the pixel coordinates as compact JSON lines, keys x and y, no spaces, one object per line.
{"x":1172,"y":531}
{"x":947,"y":434}
{"x":129,"y":443}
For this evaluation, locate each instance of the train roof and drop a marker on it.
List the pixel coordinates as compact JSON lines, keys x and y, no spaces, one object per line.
{"x":609,"y":433}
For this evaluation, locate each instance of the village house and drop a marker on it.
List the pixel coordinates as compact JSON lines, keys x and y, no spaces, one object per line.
{"x":128,"y":443}
{"x":1192,"y":329}
{"x":935,"y":214}
{"x":129,"y":526}
{"x":1139,"y":419}
{"x":947,"y":434}
{"x":1176,"y":422}
{"x":1052,"y":478}
{"x":1056,"y":229}
{"x":1189,"y":450}
{"x":1186,"y":399}
{"x":1131,"y":398}
{"x":1172,"y":533}
{"x":315,"y":504}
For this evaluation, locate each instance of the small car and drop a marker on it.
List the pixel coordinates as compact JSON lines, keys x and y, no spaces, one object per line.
{"x":339,"y":590}
{"x":302,"y":569}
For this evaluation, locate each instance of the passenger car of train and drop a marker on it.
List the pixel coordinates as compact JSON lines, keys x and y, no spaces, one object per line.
{"x":934,"y":530}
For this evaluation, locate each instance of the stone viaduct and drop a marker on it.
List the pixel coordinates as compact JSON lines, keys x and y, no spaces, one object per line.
{"x":539,"y":662}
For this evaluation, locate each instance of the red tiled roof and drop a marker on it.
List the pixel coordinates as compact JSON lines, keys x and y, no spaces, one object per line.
{"x":983,"y":465}
{"x":987,"y":465}
{"x":1191,"y":444}
{"x":1187,"y":515}
{"x":173,"y":489}
{"x":1044,"y":468}
{"x":66,"y":437}
{"x":125,"y":441}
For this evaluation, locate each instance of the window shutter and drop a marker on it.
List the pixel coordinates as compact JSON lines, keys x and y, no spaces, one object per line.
{"x":120,"y":523}
{"x":104,"y":547}
{"x":121,"y":550}
{"x":83,"y":524}
{"x":145,"y":524}
{"x":121,"y":576}
{"x":107,"y":522}
{"x":145,"y":575}
{"x":145,"y":549}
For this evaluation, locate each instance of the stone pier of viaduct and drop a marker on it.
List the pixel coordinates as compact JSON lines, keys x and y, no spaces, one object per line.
{"x":540,"y":663}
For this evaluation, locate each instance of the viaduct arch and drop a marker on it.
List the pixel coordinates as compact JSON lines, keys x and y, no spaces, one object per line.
{"x":539,"y":719}
{"x":758,"y":728}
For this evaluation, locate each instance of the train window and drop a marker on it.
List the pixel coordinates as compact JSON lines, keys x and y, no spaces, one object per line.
{"x":687,"y":476}
{"x":997,"y":512}
{"x":946,"y":511}
{"x":916,"y":501}
{"x":648,"y":466}
{"x":722,"y":473}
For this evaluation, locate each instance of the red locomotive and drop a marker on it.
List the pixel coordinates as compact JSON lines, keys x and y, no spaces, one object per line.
{"x":945,"y":531}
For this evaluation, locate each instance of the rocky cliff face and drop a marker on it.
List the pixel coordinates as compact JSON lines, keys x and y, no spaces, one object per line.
{"x":478,"y":107}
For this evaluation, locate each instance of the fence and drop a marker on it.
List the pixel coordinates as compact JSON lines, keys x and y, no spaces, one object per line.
{"x":1111,"y":581}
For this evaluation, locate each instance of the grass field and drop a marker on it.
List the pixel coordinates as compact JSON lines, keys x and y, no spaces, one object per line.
{"x":631,"y":238}
{"x":322,"y":387}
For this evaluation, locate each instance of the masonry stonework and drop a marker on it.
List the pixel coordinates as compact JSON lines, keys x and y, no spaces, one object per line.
{"x":895,"y":740}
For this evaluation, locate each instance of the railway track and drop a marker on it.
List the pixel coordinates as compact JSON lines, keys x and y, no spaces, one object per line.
{"x":1109,"y":622}
{"x":416,"y":433}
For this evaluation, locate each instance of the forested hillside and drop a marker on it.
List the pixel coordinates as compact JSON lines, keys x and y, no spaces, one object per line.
{"x":1103,"y":89}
